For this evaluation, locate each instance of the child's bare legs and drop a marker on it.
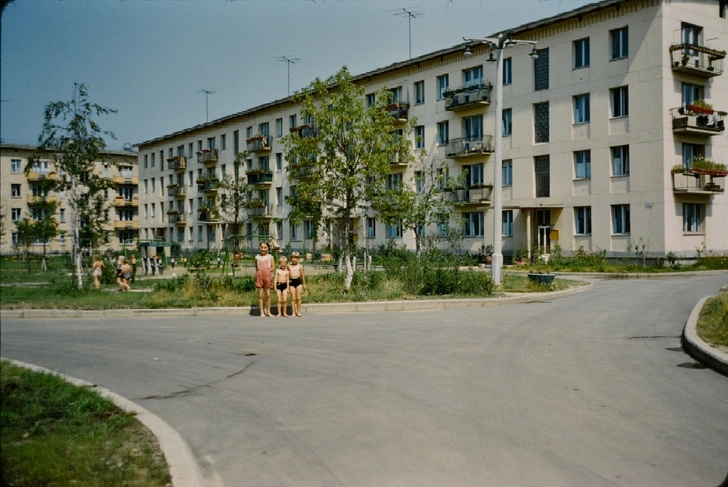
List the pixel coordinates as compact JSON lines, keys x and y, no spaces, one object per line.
{"x":260,"y":302}
{"x":284,"y":295}
{"x":279,"y":296}
{"x":267,"y":301}
{"x":97,"y":283}
{"x":296,"y":300}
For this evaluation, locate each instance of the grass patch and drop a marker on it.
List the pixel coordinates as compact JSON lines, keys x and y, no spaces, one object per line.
{"x":713,"y":321}
{"x":54,"y":433}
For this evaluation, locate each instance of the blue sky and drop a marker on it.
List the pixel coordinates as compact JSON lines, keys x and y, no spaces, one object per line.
{"x":148,"y":59}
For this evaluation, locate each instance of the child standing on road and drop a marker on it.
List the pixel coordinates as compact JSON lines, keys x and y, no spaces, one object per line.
{"x":282,"y":283}
{"x":263,"y":279}
{"x":297,"y":282}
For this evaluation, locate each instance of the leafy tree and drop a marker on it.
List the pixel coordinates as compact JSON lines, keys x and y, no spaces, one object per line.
{"x":26,"y":236}
{"x":234,"y":194}
{"x":3,"y":219}
{"x":74,"y":141}
{"x":342,"y":163}
{"x":424,"y":201}
{"x":44,"y":226}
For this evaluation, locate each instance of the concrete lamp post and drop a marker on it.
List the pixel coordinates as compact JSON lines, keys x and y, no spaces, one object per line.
{"x":498,"y":44}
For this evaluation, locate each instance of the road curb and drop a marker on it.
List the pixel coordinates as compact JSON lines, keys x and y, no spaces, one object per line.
{"x":182,"y":464}
{"x":310,"y":308}
{"x":699,"y":349}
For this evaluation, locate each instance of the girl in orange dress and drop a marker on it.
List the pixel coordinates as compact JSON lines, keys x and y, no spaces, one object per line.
{"x":263,"y":280}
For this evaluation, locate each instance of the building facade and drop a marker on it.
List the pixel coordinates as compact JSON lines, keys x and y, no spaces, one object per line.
{"x":21,"y":195}
{"x":599,"y":136}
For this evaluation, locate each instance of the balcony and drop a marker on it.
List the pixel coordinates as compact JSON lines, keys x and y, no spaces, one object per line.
{"x":263,"y":211}
{"x":692,"y":119}
{"x":697,"y":60}
{"x":208,"y":184}
{"x":259,"y":176}
{"x":259,"y":143}
{"x":306,"y":131}
{"x":178,"y":163}
{"x":35,"y":177}
{"x":207,"y":214}
{"x":176,"y":217}
{"x":126,"y":225}
{"x":301,"y":171}
{"x":123,"y":180}
{"x":176,"y":190}
{"x":398,"y":111}
{"x":469,"y":146}
{"x":467,"y":97}
{"x":207,"y":157}
{"x":121,"y":202}
{"x":473,"y":195}
{"x":35,"y":200}
{"x":694,"y":182}
{"x":397,"y":162}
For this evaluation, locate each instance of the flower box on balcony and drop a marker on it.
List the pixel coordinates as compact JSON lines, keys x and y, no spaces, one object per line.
{"x":173,"y":212}
{"x":171,"y":186}
{"x":708,"y":167}
{"x":700,"y":107}
{"x":256,"y":138}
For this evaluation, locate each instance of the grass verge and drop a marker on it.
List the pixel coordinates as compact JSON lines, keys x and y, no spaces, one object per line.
{"x":57,"y":434}
{"x":713,"y":321}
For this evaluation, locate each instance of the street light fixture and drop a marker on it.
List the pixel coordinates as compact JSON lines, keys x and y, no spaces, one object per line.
{"x":497,"y":44}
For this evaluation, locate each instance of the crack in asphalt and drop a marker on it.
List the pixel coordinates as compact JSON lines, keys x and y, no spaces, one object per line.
{"x":192,"y":390}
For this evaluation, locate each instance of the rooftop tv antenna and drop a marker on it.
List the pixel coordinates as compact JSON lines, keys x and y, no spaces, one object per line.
{"x":289,"y":60}
{"x":410,"y":13}
{"x":207,"y":93}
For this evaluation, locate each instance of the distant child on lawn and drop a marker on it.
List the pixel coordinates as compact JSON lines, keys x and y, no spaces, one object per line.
{"x":263,"y":280}
{"x":297,"y":281}
{"x":98,"y":270}
{"x":282,"y":283}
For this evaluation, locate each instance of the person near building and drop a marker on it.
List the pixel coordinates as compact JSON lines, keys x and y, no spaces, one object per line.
{"x":264,"y":266}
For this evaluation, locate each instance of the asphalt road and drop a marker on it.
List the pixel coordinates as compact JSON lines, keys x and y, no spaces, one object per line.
{"x":587,"y":390}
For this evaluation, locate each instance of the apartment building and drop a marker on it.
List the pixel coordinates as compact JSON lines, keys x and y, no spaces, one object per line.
{"x":599,"y":136}
{"x":21,"y":193}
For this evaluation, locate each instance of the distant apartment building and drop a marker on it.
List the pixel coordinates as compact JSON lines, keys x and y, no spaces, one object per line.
{"x":599,"y":136}
{"x":21,"y":194}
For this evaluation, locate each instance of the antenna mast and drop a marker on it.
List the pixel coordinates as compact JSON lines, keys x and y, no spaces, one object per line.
{"x":410,"y":13}
{"x":207,"y":93}
{"x":288,"y":60}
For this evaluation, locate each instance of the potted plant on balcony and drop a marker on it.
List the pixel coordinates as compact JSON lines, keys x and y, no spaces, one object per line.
{"x":701,"y":107}
{"x":173,"y":212}
{"x":703,"y":165}
{"x":679,"y":169}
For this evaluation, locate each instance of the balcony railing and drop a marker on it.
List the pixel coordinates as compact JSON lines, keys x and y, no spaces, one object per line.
{"x":302,"y":171}
{"x":265,"y":211}
{"x":306,"y":131}
{"x":34,"y":200}
{"x":126,"y":225}
{"x":40,"y":176}
{"x":178,"y":163}
{"x":697,"y":60}
{"x":467,"y":97}
{"x":473,"y":195}
{"x":470,"y":146}
{"x":692,"y":119}
{"x":694,"y":182}
{"x":259,"y":175}
{"x":207,"y":214}
{"x":133,"y":180}
{"x":177,"y":218}
{"x":177,"y":190}
{"x":208,"y":184}
{"x":398,"y":111}
{"x":259,"y":143}
{"x":207,"y":156}
{"x":123,"y":202}
{"x":396,"y":161}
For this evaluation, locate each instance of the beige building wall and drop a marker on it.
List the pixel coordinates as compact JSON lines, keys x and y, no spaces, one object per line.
{"x":17,"y":198}
{"x":653,"y":84}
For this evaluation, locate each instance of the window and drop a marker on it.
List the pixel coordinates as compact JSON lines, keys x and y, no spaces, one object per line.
{"x":443,"y":133}
{"x":279,"y":127}
{"x":394,"y":182}
{"x":541,"y":122}
{"x":419,"y":182}
{"x":582,"y":164}
{"x":293,"y":230}
{"x":473,"y":224}
{"x":308,"y":229}
{"x":223,"y":141}
{"x":473,"y":127}
{"x":291,"y":123}
{"x":691,"y":93}
{"x":62,"y":215}
{"x":15,"y":239}
{"x":15,"y":167}
{"x":279,"y":161}
{"x":16,"y":214}
{"x":370,"y":99}
{"x":199,"y":145}
{"x":690,"y":152}
{"x":371,"y":227}
{"x":153,"y":185}
{"x":507,"y":71}
{"x":442,"y":84}
{"x":620,"y":101}
{"x":394,"y":230}
{"x":620,"y":219}
{"x":582,"y":220}
{"x":474,"y":176}
{"x":473,"y":76}
{"x":581,"y":53}
{"x":620,"y":160}
{"x":420,"y":137}
{"x":543,"y":176}
{"x":153,"y":156}
{"x":211,"y":142}
{"x":419,"y":92}
{"x":442,"y":226}
{"x":279,"y":230}
{"x":190,"y":150}
{"x":620,"y":43}
{"x":15,"y":190}
{"x":692,"y":218}
{"x":507,"y":172}
{"x":507,"y":121}
{"x":507,"y":220}
{"x":541,"y":68}
{"x":236,"y":143}
{"x":170,"y":153}
{"x":581,"y":108}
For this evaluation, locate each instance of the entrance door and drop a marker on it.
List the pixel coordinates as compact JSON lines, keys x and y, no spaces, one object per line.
{"x":543,"y":222}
